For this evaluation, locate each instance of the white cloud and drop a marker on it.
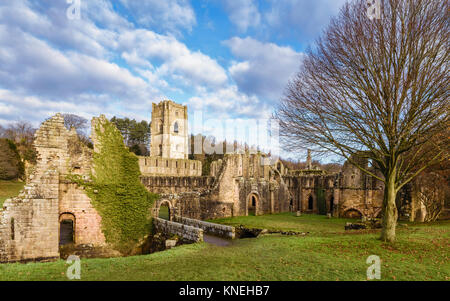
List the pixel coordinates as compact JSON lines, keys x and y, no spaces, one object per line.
{"x":266,"y":67}
{"x":178,"y":62}
{"x":169,"y":15}
{"x":47,"y":20}
{"x":104,"y":64}
{"x":33,"y":65}
{"x":243,"y":13}
{"x":228,"y":102}
{"x":49,"y":63}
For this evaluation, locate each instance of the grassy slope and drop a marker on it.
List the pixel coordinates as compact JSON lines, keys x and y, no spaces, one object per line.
{"x":9,"y":189}
{"x":327,"y":253}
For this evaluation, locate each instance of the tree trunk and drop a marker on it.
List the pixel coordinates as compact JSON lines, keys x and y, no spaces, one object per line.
{"x":390,"y":210}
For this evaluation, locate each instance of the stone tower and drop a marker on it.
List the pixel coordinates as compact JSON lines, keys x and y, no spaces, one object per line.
{"x":169,"y":130}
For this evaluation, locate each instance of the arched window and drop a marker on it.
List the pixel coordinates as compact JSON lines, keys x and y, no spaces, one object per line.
{"x":160,"y":150}
{"x":175,"y":128}
{"x":161,"y":127}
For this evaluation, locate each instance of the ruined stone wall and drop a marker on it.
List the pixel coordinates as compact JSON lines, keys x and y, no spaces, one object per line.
{"x":169,"y":184}
{"x":195,"y":205}
{"x":243,"y":176}
{"x":29,"y":223}
{"x":350,"y":193}
{"x":151,"y":166}
{"x":73,"y":200}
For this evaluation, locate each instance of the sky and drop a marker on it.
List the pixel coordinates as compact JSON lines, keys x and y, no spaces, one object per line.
{"x":229,"y":59}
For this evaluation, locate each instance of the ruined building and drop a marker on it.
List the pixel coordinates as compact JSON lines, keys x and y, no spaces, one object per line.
{"x":52,"y":210}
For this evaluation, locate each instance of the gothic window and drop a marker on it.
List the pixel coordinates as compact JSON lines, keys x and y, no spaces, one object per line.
{"x":175,"y":128}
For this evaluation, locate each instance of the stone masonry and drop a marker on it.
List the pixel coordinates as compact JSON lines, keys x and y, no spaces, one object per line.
{"x":29,"y":224}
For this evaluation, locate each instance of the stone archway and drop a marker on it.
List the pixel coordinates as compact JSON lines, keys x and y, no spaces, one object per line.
{"x":252,"y":203}
{"x":67,"y":228}
{"x":164,"y":209}
{"x":353,"y":213}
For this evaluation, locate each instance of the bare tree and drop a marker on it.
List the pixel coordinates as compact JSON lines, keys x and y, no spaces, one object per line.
{"x":80,"y":124}
{"x":74,"y":121}
{"x":20,"y":132}
{"x":376,"y":89}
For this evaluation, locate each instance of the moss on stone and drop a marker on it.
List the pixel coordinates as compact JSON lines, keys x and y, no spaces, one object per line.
{"x":116,"y":191}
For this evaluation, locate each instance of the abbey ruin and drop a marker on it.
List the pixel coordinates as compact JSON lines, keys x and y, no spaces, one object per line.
{"x":238,"y":185}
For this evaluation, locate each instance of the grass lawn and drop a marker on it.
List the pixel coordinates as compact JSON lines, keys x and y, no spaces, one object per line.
{"x":327,"y":253}
{"x":9,"y":189}
{"x":316,"y":225}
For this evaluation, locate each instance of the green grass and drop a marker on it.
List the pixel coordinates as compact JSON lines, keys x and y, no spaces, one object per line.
{"x":9,"y":189}
{"x":327,"y":253}
{"x":314,"y":224}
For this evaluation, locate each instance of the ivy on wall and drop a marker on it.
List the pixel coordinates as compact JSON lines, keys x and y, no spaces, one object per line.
{"x":116,"y":191}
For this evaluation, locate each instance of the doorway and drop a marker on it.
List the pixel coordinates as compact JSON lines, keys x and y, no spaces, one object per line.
{"x":66,"y":229}
{"x":252,"y":203}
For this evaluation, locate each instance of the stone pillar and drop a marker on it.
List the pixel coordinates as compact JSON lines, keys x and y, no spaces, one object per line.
{"x":271,"y":201}
{"x":336,"y":195}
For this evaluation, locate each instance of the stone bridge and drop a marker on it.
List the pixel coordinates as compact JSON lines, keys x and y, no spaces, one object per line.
{"x":187,"y":228}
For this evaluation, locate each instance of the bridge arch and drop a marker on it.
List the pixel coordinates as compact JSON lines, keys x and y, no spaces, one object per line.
{"x":353,"y":213}
{"x":164,"y":203}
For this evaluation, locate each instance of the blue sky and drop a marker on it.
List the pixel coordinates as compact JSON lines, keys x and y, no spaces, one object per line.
{"x":230,"y":59}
